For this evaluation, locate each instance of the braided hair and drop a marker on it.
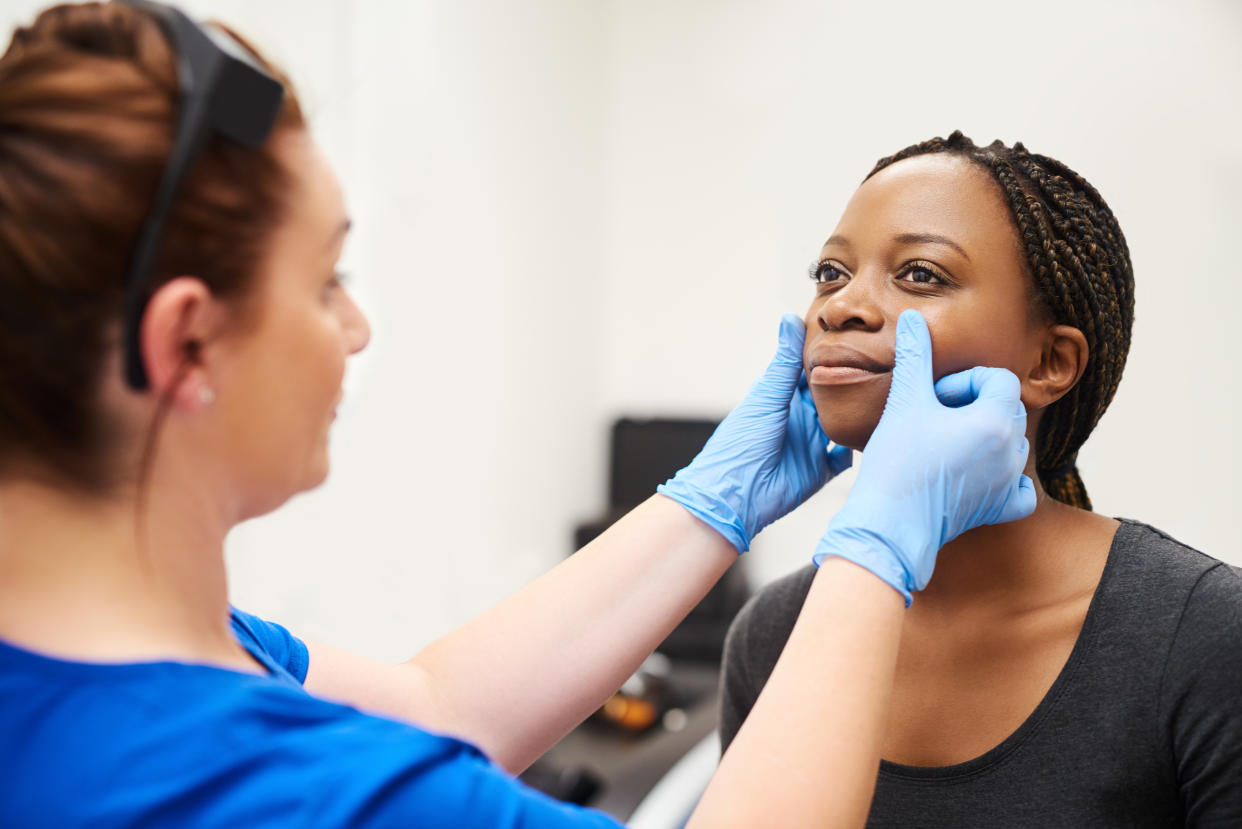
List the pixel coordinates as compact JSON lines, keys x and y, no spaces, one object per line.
{"x":1081,"y":269}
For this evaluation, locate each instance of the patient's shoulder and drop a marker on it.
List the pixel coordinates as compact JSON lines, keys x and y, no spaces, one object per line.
{"x":759,"y":631}
{"x":770,"y":614}
{"x":1161,"y":597}
{"x":754,"y":643}
{"x":1149,"y":563}
{"x":1163,"y":550}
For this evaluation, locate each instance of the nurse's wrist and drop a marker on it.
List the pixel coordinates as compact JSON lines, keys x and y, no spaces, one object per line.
{"x":869,"y":552}
{"x":709,"y":509}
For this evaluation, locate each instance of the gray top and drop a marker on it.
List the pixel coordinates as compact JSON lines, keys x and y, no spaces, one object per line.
{"x":1143,"y":726}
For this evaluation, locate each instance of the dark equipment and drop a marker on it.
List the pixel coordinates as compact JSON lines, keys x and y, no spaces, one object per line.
{"x":644,"y":454}
{"x":224,"y":92}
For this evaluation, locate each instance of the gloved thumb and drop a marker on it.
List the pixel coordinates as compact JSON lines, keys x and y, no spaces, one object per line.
{"x":961,"y":387}
{"x":781,"y":377}
{"x":997,"y":384}
{"x":912,"y":373}
{"x":1001,"y":390}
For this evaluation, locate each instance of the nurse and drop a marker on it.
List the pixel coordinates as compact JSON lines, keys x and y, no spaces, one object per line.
{"x":173,"y":338}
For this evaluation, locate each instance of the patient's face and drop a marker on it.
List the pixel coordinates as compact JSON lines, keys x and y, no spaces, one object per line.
{"x":931,"y":233}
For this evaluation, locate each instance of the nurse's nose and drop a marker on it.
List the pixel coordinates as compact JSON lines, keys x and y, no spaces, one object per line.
{"x":357,"y":326}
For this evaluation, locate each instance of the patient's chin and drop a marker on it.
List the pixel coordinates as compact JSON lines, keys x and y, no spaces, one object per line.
{"x":849,"y":429}
{"x":849,"y":413}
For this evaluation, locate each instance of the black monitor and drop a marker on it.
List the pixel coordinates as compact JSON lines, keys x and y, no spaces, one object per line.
{"x":646,"y":453}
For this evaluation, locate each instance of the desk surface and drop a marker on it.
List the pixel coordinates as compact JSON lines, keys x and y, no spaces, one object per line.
{"x":631,"y":764}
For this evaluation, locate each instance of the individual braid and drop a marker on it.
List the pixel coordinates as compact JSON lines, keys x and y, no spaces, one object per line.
{"x":1081,"y":268}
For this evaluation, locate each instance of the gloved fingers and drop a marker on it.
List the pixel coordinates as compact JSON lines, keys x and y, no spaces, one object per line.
{"x":1024,"y":447}
{"x":805,"y":443}
{"x":999,"y":395}
{"x":802,"y":412}
{"x":790,"y":337}
{"x":912,"y":373}
{"x":1018,"y":430}
{"x":778,"y":381}
{"x":840,"y":458}
{"x":803,"y":398}
{"x":998,"y":385}
{"x":961,"y":387}
{"x":1018,"y":418}
{"x":1020,"y":501}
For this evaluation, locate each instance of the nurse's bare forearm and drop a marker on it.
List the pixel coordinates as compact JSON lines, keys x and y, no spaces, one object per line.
{"x":809,"y":751}
{"x":515,"y":679}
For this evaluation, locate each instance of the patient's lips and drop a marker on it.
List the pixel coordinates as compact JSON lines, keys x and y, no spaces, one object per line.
{"x":831,"y":365}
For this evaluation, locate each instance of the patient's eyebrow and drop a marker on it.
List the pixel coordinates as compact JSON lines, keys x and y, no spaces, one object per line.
{"x":933,"y":238}
{"x":907,"y":239}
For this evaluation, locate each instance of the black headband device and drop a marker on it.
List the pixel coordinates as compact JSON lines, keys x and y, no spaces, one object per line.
{"x":223,"y":92}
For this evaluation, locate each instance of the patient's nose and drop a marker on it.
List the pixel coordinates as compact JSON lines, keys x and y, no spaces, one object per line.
{"x":852,"y":306}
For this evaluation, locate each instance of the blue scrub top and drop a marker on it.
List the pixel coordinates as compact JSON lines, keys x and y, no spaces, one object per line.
{"x":175,"y":744}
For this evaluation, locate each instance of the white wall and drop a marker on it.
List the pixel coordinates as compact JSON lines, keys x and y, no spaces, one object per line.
{"x":571,"y":209}
{"x":472,"y":437}
{"x":737,"y":131}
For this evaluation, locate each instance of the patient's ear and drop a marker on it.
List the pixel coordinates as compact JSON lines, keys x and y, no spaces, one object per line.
{"x":1062,"y":360}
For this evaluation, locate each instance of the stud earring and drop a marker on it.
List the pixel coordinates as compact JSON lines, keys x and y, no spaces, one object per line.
{"x":206,"y":396}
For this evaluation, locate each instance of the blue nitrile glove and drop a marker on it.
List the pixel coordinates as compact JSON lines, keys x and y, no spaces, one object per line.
{"x":767,"y":457}
{"x":931,"y":472}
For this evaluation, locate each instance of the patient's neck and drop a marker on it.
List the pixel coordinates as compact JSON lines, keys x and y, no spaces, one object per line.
{"x":1053,"y":555}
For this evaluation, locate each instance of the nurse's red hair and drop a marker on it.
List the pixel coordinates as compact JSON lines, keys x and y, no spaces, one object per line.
{"x":87,"y":100}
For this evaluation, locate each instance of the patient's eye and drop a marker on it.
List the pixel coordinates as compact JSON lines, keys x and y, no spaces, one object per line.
{"x":826,"y":271}
{"x":922,"y":273}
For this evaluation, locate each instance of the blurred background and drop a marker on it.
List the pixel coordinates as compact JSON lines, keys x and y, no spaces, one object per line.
{"x":572,"y":210}
{"x":569,"y":211}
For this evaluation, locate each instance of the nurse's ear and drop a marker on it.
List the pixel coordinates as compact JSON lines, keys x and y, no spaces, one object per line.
{"x":181,"y":317}
{"x":1059,"y":365}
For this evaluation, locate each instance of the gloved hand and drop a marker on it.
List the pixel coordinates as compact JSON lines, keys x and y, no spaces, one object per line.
{"x":931,"y":472}
{"x":767,"y":457}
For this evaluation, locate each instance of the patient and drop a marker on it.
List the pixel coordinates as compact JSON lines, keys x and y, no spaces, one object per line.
{"x":1067,"y":669}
